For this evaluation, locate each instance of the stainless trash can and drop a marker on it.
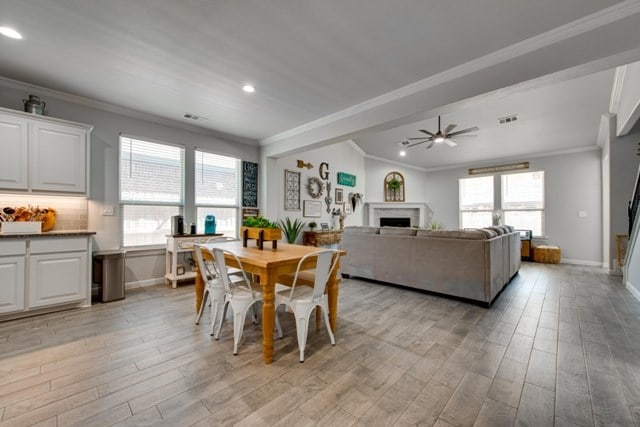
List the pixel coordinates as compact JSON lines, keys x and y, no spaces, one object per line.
{"x":108,"y":274}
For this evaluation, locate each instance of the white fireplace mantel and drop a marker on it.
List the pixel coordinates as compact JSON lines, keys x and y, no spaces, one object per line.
{"x":375,"y":210}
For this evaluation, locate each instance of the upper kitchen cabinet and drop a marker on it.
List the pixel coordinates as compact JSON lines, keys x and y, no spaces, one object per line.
{"x":42,"y":154}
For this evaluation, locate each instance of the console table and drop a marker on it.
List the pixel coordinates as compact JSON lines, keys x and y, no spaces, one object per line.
{"x":321,"y":238}
{"x":177,"y":243}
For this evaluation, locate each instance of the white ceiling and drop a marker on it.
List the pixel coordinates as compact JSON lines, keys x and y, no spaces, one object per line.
{"x":312,"y":61}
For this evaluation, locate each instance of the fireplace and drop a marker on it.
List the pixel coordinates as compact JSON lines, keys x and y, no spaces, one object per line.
{"x":395,"y":222}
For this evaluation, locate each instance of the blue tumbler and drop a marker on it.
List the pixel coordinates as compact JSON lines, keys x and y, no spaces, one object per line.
{"x":210,"y":224}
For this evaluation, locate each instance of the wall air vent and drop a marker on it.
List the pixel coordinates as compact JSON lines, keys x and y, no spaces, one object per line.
{"x":193,"y":116}
{"x":507,"y":119}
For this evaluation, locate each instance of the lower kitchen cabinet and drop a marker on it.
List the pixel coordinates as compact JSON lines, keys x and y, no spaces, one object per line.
{"x":43,"y":274}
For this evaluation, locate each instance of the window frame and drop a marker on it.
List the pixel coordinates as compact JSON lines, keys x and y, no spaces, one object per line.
{"x":238,"y":205}
{"x":462,"y":211}
{"x":544,"y":197}
{"x":124,"y":203}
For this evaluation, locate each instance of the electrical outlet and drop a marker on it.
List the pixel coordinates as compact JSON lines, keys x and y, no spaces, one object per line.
{"x":107,"y":210}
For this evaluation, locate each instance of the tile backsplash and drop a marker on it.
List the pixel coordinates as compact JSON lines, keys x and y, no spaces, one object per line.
{"x":72,"y":212}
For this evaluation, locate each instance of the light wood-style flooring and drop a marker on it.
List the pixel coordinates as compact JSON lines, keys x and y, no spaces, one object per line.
{"x":559,"y":346}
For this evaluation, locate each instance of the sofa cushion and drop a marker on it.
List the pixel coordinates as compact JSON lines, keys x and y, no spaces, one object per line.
{"x":489,"y":234}
{"x":362,"y":230}
{"x":459,"y":234}
{"x":499,"y":231}
{"x":511,"y":228}
{"x":398,"y":231}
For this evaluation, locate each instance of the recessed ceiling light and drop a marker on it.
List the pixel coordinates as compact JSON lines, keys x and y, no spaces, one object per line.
{"x":248,"y":88}
{"x":10,"y":32}
{"x":403,"y":153}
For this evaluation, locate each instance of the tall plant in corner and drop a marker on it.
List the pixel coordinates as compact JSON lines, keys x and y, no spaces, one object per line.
{"x":291,"y":229}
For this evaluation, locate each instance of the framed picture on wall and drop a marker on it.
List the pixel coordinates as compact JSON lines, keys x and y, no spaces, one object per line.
{"x":312,"y":208}
{"x":291,"y":190}
{"x":338,"y":198}
{"x":346,"y":208}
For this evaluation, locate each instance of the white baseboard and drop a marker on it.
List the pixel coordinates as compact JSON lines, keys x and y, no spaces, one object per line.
{"x":634,"y":291}
{"x":582,"y":262}
{"x":144,"y":283}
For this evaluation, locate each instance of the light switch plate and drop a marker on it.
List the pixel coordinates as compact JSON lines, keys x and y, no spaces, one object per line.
{"x":582,"y":214}
{"x":107,"y":210}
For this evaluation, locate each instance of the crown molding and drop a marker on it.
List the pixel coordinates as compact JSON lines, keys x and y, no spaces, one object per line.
{"x":571,"y":29}
{"x":522,"y":158}
{"x":357,"y":148}
{"x":124,"y":111}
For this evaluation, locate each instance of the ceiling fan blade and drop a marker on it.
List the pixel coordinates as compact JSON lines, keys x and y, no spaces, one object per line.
{"x":473,"y":129}
{"x":450,"y":143}
{"x":416,"y":143}
{"x":462,"y":136}
{"x":427,"y":132}
{"x":449,"y":128}
{"x":430,"y":145}
{"x":424,"y":137}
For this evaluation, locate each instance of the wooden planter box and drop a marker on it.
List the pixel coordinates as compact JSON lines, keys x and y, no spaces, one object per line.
{"x":261,"y":235}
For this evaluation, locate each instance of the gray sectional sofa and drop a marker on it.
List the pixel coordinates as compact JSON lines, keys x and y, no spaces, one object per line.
{"x":471,"y":264}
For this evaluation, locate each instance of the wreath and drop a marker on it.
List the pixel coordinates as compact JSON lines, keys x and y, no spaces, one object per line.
{"x":315,"y":187}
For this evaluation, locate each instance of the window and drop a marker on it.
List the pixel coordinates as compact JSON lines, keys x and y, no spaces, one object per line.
{"x":523,"y":201}
{"x":217,"y":186}
{"x":151,"y":190}
{"x":476,"y":202}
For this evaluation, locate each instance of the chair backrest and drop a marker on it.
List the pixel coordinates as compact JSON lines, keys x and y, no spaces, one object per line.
{"x":327,"y":261}
{"x":221,"y":263}
{"x":205,"y":272}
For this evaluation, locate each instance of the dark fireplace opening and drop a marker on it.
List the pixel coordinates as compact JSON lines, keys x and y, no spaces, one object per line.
{"x":395,"y":222}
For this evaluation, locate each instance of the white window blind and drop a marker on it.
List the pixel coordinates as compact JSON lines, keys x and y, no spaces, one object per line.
{"x":523,"y":201}
{"x":151,"y":190}
{"x":476,"y":202}
{"x":217,"y":186}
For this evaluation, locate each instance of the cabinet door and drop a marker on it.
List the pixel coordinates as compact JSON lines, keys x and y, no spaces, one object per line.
{"x":58,"y":157}
{"x":11,"y":284}
{"x":57,"y":278}
{"x":14,"y":158}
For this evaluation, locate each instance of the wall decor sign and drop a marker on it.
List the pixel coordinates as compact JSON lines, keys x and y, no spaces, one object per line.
{"x":323,"y":170}
{"x":249,"y":184}
{"x":338,"y":198}
{"x":346,"y":179}
{"x":291,"y":190}
{"x":500,"y":168}
{"x":346,"y":208}
{"x":312,"y":208}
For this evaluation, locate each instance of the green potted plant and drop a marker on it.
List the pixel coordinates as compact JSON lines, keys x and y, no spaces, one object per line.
{"x":254,"y":224}
{"x":435,"y":225}
{"x":291,"y":228}
{"x":394,"y":184}
{"x":312,"y":225}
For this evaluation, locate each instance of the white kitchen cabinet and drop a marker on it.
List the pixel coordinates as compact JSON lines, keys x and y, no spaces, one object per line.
{"x":58,"y":157}
{"x":44,"y":274}
{"x":57,"y":271}
{"x":14,"y":145}
{"x":12,"y":280}
{"x":43,"y":154}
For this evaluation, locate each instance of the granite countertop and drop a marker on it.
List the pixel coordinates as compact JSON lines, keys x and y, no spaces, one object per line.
{"x":52,"y":233}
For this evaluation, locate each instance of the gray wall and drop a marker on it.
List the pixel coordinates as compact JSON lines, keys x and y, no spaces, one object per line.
{"x":572,"y":183}
{"x":104,"y":164}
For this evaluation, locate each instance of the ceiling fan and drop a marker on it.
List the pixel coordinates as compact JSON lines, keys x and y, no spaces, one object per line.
{"x":445,"y":136}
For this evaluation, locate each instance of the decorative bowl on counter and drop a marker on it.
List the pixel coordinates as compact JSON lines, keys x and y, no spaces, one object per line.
{"x":42,"y":219}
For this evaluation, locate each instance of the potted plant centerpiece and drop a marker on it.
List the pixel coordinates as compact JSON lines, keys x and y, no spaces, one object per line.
{"x":291,"y":228}
{"x":312,"y":225}
{"x":261,"y":229}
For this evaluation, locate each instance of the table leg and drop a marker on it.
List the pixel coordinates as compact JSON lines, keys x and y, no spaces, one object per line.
{"x":332,"y":295}
{"x":199,"y":289}
{"x":268,"y":315}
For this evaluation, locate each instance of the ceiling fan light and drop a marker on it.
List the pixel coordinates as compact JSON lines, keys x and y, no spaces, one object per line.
{"x":439,"y":139}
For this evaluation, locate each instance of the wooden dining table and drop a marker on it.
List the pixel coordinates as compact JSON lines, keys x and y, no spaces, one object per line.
{"x":269,"y":264}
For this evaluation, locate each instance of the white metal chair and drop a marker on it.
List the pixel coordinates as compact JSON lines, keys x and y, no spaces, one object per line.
{"x":213,"y":289}
{"x":303,"y":299}
{"x":241,"y":295}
